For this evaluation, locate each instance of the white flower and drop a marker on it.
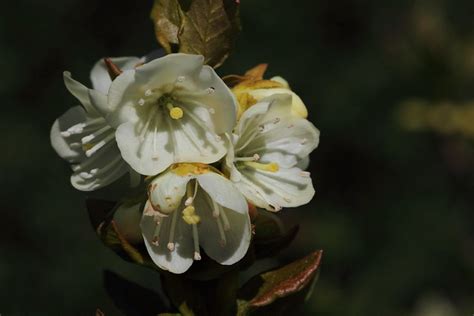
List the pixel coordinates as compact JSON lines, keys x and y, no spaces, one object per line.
{"x":172,"y":109}
{"x":270,"y":146}
{"x":83,"y":136}
{"x":251,"y":91}
{"x":191,"y":206}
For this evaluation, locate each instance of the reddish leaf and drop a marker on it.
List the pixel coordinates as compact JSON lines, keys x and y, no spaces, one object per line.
{"x":287,"y":280}
{"x":277,"y":291}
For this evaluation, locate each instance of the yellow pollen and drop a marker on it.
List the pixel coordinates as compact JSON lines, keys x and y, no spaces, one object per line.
{"x":87,"y":146}
{"x":190,"y":216}
{"x":184,"y":169}
{"x":176,"y":113}
{"x":271,"y":167}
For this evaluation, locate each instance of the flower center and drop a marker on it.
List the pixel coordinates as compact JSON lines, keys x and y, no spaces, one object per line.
{"x":165,"y":102}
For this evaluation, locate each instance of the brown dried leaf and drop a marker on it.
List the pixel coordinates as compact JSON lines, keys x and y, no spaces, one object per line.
{"x":257,"y":72}
{"x":209,"y":28}
{"x":166,"y":16}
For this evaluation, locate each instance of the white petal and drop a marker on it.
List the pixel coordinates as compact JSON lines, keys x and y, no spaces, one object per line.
{"x":100,"y":76}
{"x":168,"y":190}
{"x":271,"y":131}
{"x":286,"y":145}
{"x":81,"y":92}
{"x":284,"y":188}
{"x":237,"y":238}
{"x":251,"y":119}
{"x":127,"y":217}
{"x":166,"y":70}
{"x":223,"y":192}
{"x":181,"y":258}
{"x":147,"y":152}
{"x":99,"y":170}
{"x":193,"y":140}
{"x":303,"y":164}
{"x":281,"y":80}
{"x":297,"y":106}
{"x":219,"y":100}
{"x":98,"y":101}
{"x":64,"y":145}
{"x":122,"y":97}
{"x":151,"y":147}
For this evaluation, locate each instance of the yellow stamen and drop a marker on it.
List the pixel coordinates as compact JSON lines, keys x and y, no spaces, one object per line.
{"x":271,"y":167}
{"x":175,"y":112}
{"x":190,"y":216}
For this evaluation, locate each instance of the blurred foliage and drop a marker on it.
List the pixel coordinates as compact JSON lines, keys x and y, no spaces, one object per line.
{"x":393,"y":209}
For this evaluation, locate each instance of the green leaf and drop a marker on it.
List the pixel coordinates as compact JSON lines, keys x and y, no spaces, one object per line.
{"x":166,"y":17}
{"x":209,"y":28}
{"x":279,"y":289}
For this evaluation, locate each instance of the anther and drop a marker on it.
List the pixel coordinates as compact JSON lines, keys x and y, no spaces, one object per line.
{"x":277,"y":207}
{"x":276,"y":120}
{"x":210,"y":90}
{"x":172,"y":229}
{"x":305,"y":174}
{"x":148,"y":93}
{"x":180,"y":79}
{"x":85,"y":175}
{"x":189,"y":201}
{"x":255,"y":157}
{"x":141,"y":102}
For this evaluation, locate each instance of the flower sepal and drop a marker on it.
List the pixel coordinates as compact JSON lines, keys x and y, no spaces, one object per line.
{"x":117,"y":234}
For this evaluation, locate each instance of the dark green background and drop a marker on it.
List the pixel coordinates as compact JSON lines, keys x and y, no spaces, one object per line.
{"x":393,"y":210}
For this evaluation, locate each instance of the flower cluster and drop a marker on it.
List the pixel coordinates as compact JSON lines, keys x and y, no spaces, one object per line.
{"x":205,"y":150}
